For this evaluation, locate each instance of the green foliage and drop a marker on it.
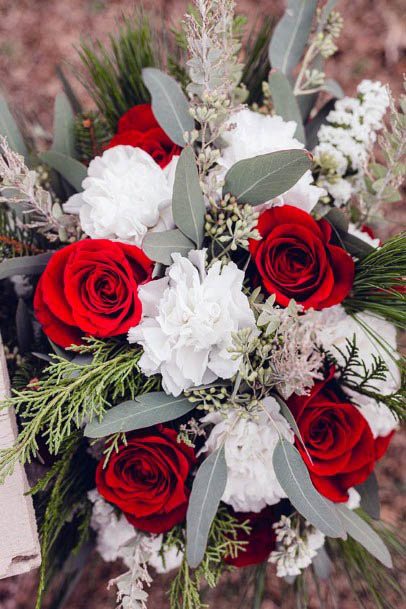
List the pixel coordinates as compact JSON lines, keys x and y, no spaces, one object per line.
{"x":379,"y":282}
{"x":113,"y":77}
{"x":70,"y":394}
{"x":14,"y":240}
{"x":256,"y":66}
{"x":63,"y":509}
{"x":223,"y":542}
{"x":92,"y":134}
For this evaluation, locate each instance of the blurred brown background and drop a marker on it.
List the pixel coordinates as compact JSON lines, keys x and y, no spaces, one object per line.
{"x":37,"y":35}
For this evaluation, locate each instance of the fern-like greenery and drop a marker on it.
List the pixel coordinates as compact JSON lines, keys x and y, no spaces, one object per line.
{"x":63,"y":509}
{"x":113,"y":77}
{"x":223,"y":541}
{"x":379,"y":284}
{"x":71,"y":393}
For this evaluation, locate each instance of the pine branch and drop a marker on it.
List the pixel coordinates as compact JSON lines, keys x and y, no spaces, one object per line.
{"x":92,"y":134}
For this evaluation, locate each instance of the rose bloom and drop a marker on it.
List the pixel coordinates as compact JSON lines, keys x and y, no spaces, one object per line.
{"x":295,"y":259}
{"x":139,"y":128}
{"x":259,"y":543}
{"x":91,"y":287}
{"x":147,"y":477}
{"x":338,"y":440}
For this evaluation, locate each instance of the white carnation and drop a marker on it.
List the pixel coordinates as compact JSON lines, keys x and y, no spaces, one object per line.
{"x":332,"y":329}
{"x":249,"y":446}
{"x":256,"y":134}
{"x":189,"y":317}
{"x":125,"y":194}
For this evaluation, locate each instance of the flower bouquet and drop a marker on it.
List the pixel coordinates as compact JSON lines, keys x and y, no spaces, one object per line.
{"x":201,"y":324}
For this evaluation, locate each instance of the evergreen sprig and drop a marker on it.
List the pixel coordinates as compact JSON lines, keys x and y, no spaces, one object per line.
{"x":379,"y":282}
{"x":223,"y":541}
{"x":92,"y":134}
{"x":70,"y":394}
{"x":114,"y":77}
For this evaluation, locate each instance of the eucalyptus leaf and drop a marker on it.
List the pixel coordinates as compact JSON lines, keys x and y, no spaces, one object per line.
{"x":24,"y":265}
{"x":369,"y":492}
{"x":312,"y":128}
{"x":360,"y":530}
{"x":187,"y":202}
{"x":338,"y":219}
{"x":160,"y":246}
{"x":23,"y":326}
{"x":285,"y":410}
{"x":147,"y":410}
{"x":355,"y":246}
{"x":169,"y":104}
{"x":293,"y":476}
{"x":262,"y":178}
{"x":285,"y":102}
{"x":64,"y":119}
{"x":333,"y":87}
{"x":291,"y":34}
{"x":10,"y":130}
{"x":322,"y":564}
{"x":207,"y":491}
{"x":72,"y":170}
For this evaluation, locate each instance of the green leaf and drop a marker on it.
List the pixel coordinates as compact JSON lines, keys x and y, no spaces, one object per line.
{"x":10,"y":130}
{"x":378,"y":171}
{"x":293,"y":476}
{"x":160,"y":246}
{"x":188,"y":203}
{"x":148,"y":409}
{"x":333,"y":87}
{"x":261,"y":178}
{"x":207,"y":491}
{"x":359,"y":530}
{"x":312,"y":128}
{"x":337,"y":219}
{"x":24,"y":265}
{"x":64,"y":122}
{"x":285,"y":102}
{"x":169,"y":104}
{"x":356,"y":247}
{"x":23,"y":326}
{"x":291,"y":34}
{"x":72,"y":170}
{"x":370,"y":496}
{"x":292,"y":421}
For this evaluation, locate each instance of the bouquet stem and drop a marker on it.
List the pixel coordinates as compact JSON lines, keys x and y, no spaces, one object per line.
{"x":260,"y":578}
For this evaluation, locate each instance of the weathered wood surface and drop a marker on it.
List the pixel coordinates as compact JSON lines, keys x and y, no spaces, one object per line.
{"x":19,"y":546}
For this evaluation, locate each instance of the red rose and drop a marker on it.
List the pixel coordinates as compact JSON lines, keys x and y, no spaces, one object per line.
{"x":139,"y":128}
{"x":147,"y":477}
{"x":259,"y":543}
{"x":295,"y":259}
{"x":91,"y":287}
{"x":338,"y":439}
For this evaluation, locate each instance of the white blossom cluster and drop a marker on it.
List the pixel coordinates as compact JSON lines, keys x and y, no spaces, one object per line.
{"x":295,"y":548}
{"x":347,"y":138}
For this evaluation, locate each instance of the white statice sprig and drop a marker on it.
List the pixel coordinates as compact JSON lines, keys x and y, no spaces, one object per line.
{"x":297,"y":545}
{"x":21,"y":187}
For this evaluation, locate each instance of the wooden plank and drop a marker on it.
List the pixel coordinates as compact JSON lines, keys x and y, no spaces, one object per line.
{"x":19,"y":545}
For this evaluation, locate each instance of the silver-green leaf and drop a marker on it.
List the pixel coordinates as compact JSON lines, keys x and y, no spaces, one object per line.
{"x":360,"y":530}
{"x":261,"y":178}
{"x":208,"y":488}
{"x":160,"y":246}
{"x":333,"y":87}
{"x":10,"y":130}
{"x":169,"y":104}
{"x":293,"y":476}
{"x":285,"y":102}
{"x":24,"y":265}
{"x":147,"y":410}
{"x":291,"y":34}
{"x":64,"y":136}
{"x":72,"y":170}
{"x":369,"y":492}
{"x":188,"y":203}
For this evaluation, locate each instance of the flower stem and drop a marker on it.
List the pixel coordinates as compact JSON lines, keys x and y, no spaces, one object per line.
{"x":259,"y":585}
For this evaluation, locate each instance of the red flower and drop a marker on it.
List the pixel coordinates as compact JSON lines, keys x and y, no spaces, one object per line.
{"x":147,"y":477}
{"x":338,"y":439}
{"x":261,"y":540}
{"x":139,"y":128}
{"x":91,"y":287}
{"x":295,"y":259}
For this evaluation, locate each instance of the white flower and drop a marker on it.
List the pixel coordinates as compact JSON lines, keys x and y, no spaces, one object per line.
{"x":125,"y":194}
{"x":354,"y":499}
{"x":188,"y":321}
{"x":256,"y":134}
{"x":164,"y":562}
{"x":353,"y":230}
{"x":332,"y":329}
{"x":249,"y":446}
{"x":341,"y":191}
